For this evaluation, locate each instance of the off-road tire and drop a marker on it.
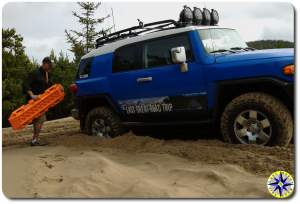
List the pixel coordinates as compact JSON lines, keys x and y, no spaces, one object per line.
{"x":278,"y":114}
{"x":107,"y":115}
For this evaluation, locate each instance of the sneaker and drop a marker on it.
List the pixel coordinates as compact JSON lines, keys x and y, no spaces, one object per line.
{"x":38,"y":143}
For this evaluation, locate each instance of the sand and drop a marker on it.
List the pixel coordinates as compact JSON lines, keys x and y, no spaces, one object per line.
{"x":74,"y":165}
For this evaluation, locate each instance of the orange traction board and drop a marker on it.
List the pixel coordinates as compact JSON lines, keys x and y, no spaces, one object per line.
{"x":35,"y":108}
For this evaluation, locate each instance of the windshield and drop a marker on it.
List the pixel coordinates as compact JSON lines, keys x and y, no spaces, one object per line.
{"x":221,"y":40}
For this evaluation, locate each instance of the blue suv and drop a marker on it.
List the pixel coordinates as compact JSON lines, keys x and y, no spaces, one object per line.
{"x":186,"y":74}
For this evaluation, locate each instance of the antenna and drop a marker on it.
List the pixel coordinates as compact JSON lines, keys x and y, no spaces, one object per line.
{"x":112,"y":14}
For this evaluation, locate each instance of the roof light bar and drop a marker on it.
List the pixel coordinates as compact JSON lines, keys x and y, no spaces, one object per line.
{"x":198,"y":16}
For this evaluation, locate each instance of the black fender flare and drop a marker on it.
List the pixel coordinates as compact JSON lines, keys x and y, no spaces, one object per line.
{"x":86,"y":103}
{"x":288,"y":88}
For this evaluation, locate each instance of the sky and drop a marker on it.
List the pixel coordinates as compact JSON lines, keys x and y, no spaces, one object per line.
{"x":42,"y":24}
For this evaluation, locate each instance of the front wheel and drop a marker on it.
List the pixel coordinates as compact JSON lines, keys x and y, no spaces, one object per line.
{"x":257,"y":118}
{"x":103,"y":122}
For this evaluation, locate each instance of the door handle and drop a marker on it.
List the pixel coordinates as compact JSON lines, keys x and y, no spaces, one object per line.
{"x":144,"y":79}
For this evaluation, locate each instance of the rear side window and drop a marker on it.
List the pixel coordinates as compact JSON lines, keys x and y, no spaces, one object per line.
{"x":128,"y":58}
{"x":84,"y":68}
{"x":158,"y":52}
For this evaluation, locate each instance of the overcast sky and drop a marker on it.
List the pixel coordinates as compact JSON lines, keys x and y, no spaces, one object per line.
{"x":42,"y":24}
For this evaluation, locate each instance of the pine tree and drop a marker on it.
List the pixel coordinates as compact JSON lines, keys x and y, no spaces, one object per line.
{"x":83,"y":41}
{"x":270,"y":44}
{"x":63,"y":72}
{"x":15,"y":66}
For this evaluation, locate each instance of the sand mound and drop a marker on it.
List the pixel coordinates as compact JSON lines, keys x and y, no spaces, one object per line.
{"x":76,"y":165}
{"x":68,"y":172}
{"x":255,"y":159}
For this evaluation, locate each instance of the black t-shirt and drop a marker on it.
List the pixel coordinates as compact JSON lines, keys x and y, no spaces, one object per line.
{"x":36,"y":82}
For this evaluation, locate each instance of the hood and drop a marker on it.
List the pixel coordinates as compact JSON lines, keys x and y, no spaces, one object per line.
{"x":256,"y":54}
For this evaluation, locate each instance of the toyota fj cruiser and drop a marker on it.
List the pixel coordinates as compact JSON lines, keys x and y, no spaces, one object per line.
{"x":186,"y":72}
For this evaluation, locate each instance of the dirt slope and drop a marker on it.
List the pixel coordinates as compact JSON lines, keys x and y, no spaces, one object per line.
{"x":76,"y":165}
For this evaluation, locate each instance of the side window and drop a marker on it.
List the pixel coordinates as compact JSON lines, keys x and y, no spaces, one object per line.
{"x":158,"y":52}
{"x":127,"y":58}
{"x":84,"y":68}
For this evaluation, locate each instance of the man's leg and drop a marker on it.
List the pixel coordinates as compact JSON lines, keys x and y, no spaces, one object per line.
{"x":37,"y":127}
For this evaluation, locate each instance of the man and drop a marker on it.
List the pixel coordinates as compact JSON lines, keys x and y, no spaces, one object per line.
{"x":37,"y":83}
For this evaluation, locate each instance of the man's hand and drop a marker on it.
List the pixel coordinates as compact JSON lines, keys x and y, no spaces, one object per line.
{"x":62,"y":89}
{"x":34,"y":97}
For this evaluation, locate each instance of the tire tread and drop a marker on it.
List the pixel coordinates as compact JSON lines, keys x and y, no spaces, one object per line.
{"x":109,"y":115}
{"x":279,"y":112}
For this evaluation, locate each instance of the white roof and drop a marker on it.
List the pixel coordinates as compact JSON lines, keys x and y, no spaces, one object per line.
{"x":111,"y":47}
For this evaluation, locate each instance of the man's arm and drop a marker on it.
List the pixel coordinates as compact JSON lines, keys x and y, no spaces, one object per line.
{"x":31,"y":94}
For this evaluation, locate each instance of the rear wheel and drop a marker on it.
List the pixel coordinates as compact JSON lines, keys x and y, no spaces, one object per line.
{"x":257,"y":118}
{"x":103,"y":122}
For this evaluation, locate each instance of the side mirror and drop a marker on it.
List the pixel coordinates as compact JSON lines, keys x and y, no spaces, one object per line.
{"x":179,"y":57}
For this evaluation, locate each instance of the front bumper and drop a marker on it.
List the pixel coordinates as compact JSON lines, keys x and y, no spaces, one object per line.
{"x":289,"y":89}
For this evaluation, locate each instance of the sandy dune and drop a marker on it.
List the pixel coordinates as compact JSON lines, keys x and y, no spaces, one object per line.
{"x":76,"y":165}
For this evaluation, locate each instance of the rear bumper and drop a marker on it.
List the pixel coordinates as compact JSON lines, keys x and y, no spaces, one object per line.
{"x":75,"y":114}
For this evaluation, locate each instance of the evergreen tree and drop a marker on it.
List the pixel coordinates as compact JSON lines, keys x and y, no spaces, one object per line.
{"x":63,"y":72}
{"x":270,"y":44}
{"x":83,"y":41}
{"x":15,"y":66}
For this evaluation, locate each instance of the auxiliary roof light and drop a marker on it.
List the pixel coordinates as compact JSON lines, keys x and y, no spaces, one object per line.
{"x":197,"y":16}
{"x":186,"y":16}
{"x":206,"y":17}
{"x":214,"y":17}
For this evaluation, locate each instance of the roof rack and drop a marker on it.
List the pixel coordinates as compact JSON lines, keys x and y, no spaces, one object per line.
{"x":136,"y":30}
{"x":187,"y":17}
